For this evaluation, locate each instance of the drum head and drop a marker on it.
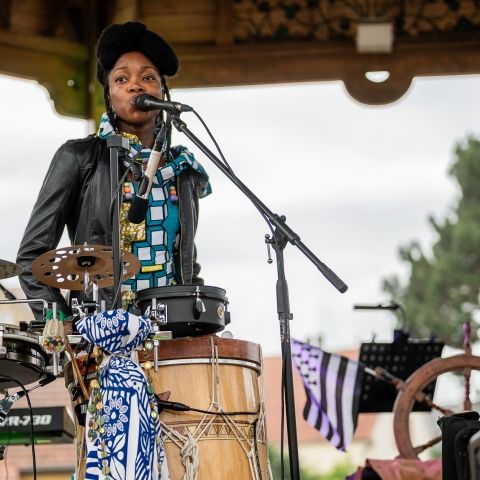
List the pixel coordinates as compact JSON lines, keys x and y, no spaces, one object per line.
{"x":25,"y":361}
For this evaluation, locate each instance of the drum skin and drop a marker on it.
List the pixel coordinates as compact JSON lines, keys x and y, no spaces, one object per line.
{"x":208,"y":373}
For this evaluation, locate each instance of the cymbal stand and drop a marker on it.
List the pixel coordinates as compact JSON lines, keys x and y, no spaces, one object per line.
{"x":116,"y":145}
{"x":25,"y":300}
{"x":89,"y":306}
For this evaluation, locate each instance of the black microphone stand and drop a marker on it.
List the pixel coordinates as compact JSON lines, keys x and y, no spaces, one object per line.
{"x":116,"y":144}
{"x":282,"y":234}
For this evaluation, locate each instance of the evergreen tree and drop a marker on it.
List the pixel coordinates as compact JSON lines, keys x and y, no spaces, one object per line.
{"x":443,"y":289}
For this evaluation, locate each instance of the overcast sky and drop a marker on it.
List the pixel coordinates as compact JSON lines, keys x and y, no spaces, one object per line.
{"x":355,"y":182}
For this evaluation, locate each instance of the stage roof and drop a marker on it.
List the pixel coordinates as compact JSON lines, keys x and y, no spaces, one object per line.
{"x":247,"y":42}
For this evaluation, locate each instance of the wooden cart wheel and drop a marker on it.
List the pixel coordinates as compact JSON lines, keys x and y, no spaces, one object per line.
{"x":415,"y":384}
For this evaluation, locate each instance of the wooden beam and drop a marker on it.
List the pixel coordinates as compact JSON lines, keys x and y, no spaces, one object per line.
{"x":308,"y":61}
{"x":56,"y":10}
{"x":58,"y":65}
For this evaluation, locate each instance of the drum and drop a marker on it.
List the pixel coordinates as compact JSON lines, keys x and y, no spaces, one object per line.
{"x":216,"y":375}
{"x":24,"y":359}
{"x":213,"y":374}
{"x":188,"y":310}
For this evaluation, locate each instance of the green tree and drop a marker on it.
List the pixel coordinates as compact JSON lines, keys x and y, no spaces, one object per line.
{"x":443,"y":288}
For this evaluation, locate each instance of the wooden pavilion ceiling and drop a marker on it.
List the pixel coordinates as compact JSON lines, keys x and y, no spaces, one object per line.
{"x":244,"y":42}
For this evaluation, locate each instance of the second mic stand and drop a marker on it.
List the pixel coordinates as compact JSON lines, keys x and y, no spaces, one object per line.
{"x":282,"y":234}
{"x":116,"y":145}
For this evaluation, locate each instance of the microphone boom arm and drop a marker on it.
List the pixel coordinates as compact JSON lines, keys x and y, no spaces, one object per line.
{"x":276,"y":220}
{"x":282,"y":234}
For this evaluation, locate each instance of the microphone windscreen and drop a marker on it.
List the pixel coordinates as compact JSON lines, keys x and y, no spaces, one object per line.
{"x":144,"y":102}
{"x":138,"y":210}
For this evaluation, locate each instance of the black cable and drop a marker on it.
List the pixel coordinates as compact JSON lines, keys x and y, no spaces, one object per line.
{"x":181,"y":407}
{"x":228,"y":166}
{"x":30,"y":410}
{"x":213,"y":139}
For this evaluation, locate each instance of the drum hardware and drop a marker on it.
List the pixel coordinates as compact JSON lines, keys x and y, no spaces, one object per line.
{"x":199,"y":306}
{"x":25,"y":300}
{"x":89,"y":306}
{"x":7,"y":403}
{"x":157,"y":312}
{"x":153,"y":342}
{"x":158,"y":315}
{"x":22,"y":357}
{"x":77,"y":340}
{"x":3,"y":349}
{"x":9,"y":269}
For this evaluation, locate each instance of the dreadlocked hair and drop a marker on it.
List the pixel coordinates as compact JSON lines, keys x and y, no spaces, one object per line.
{"x":110,"y":113}
{"x":166,"y":92}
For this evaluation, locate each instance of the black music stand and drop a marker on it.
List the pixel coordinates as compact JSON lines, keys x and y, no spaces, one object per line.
{"x":400,"y":358}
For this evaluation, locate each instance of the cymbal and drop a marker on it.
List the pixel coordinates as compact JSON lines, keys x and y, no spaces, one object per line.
{"x":9,"y":269}
{"x":66,"y":267}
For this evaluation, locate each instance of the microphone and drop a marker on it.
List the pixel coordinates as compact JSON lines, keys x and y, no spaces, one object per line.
{"x":388,"y":306}
{"x":146,"y":102}
{"x":138,"y":209}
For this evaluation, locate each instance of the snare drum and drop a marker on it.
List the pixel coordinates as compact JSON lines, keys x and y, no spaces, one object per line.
{"x":24,"y":358}
{"x":188,"y":310}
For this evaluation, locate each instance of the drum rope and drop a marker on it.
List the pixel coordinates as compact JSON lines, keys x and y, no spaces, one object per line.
{"x":244,"y":442}
{"x":188,"y":444}
{"x":190,"y":457}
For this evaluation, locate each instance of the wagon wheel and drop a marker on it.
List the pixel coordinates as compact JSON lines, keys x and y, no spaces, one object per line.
{"x":414,"y":386}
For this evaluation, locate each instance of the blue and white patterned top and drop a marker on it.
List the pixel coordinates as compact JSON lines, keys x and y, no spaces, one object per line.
{"x":155,"y":240}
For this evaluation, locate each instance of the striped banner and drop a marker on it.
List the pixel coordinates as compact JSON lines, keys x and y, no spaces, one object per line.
{"x":332,"y":384}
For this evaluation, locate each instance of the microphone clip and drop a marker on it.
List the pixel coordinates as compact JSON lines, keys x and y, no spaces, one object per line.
{"x":137,"y":171}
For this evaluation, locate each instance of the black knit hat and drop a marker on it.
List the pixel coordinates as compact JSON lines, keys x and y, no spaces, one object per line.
{"x":118,"y":39}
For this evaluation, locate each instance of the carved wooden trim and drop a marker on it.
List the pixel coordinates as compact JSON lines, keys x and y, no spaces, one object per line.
{"x":306,"y":61}
{"x":224,"y":22}
{"x":60,"y":66}
{"x":5,"y":10}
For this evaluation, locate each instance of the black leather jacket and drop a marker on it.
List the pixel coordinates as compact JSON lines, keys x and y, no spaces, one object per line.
{"x":76,"y":194}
